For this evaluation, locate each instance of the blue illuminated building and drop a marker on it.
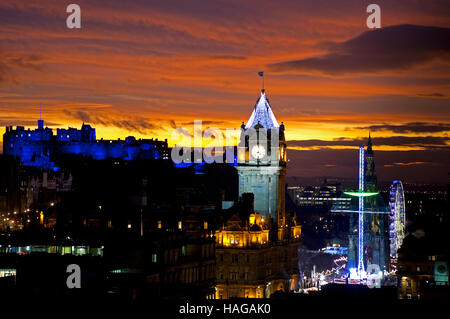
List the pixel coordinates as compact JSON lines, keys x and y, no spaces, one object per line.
{"x":37,"y":147}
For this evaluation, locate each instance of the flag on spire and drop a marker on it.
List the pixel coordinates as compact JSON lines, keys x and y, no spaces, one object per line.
{"x":261,"y":74}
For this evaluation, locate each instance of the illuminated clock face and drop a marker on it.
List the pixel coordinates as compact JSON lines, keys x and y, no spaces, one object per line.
{"x":258,"y":151}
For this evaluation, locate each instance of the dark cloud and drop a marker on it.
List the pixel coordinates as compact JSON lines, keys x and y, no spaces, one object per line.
{"x":134,"y":124}
{"x":412,"y":127}
{"x":426,"y":142}
{"x":389,"y":48}
{"x":406,"y":164}
{"x":32,"y":62}
{"x":183,"y":131}
{"x":228,"y":57}
{"x":80,"y":115}
{"x":203,"y":123}
{"x":14,"y":121}
{"x":317,"y":163}
{"x":3,"y":72}
{"x":323,"y":143}
{"x":8,"y":64}
{"x":432,"y":94}
{"x":172,"y":124}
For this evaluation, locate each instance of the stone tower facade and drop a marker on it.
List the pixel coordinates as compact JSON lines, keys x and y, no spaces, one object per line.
{"x":257,"y":246}
{"x":262,"y":161}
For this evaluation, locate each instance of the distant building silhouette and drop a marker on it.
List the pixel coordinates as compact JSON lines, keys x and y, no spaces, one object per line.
{"x":37,"y":147}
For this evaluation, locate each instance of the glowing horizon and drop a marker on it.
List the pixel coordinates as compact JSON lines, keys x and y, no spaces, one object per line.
{"x":145,"y":68}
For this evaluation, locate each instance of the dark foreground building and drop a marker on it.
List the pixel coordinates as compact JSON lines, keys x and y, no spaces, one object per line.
{"x":136,"y":228}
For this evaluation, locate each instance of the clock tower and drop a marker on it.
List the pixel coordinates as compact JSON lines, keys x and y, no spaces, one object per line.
{"x":262,"y":161}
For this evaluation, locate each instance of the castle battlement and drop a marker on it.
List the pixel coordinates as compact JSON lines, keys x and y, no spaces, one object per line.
{"x":37,"y":147}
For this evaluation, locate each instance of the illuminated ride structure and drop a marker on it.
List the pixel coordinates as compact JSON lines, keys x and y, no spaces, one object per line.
{"x":397,"y":221}
{"x":361,"y":213}
{"x":369,"y":206}
{"x":372,"y":246}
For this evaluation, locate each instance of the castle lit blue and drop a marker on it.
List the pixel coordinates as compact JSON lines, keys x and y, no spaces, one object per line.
{"x":38,"y":147}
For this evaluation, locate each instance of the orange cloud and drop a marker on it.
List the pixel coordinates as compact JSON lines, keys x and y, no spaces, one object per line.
{"x":404,"y":164}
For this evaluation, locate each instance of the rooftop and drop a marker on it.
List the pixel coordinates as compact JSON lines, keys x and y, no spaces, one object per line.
{"x":262,"y":114}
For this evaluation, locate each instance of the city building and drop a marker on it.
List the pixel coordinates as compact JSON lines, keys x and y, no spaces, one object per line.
{"x":251,"y":262}
{"x":148,"y":224}
{"x":170,"y":261}
{"x":25,"y":189}
{"x":38,"y":147}
{"x":422,"y":271}
{"x":324,"y":195}
{"x":321,"y":229}
{"x":262,"y":160}
{"x":257,"y":244}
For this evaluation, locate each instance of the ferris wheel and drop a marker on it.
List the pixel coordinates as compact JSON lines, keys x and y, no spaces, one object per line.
{"x":396,"y":218}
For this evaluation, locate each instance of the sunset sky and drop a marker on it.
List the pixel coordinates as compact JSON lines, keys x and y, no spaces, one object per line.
{"x":145,"y":67}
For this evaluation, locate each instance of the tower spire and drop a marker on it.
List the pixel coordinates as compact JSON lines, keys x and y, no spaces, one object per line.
{"x":40,"y":121}
{"x":262,"y":113}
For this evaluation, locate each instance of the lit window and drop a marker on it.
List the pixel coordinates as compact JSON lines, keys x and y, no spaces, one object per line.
{"x":159,"y":224}
{"x":205,"y":225}
{"x":154,"y":258}
{"x":180,"y":225}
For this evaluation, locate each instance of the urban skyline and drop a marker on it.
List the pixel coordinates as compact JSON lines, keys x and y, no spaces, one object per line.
{"x":170,"y":73}
{"x":246,"y":154}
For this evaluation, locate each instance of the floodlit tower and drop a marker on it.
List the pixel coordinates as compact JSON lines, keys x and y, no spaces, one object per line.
{"x":361,"y":213}
{"x":262,"y":161}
